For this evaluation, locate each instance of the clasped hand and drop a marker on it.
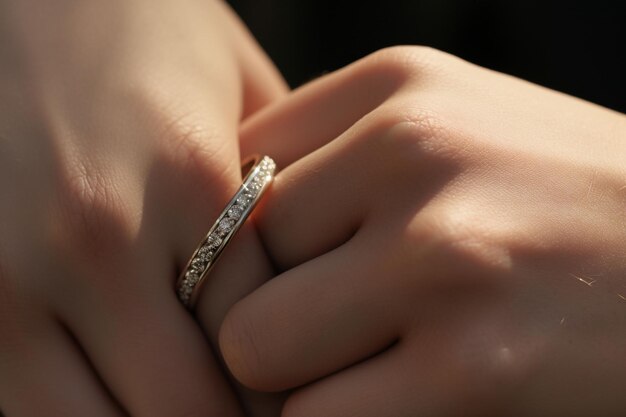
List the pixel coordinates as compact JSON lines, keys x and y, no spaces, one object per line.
{"x":442,"y":240}
{"x":450,"y":242}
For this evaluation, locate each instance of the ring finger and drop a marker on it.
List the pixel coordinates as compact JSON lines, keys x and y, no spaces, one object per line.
{"x":145,"y":345}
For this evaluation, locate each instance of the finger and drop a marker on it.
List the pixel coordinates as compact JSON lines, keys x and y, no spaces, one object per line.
{"x":394,"y":383}
{"x":318,"y":112}
{"x":44,"y":373}
{"x":310,"y":321}
{"x":319,"y":202}
{"x":262,"y":83}
{"x":416,"y":377}
{"x":146,"y":346}
{"x":242,"y":268}
{"x":200,"y":174}
{"x":372,"y":388}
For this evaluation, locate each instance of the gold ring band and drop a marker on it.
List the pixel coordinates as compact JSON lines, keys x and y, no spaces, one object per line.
{"x":227,"y":224}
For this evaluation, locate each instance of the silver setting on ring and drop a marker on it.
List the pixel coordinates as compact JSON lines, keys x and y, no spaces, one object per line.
{"x":227,"y":224}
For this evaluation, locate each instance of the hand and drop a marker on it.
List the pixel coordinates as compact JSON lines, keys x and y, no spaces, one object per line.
{"x":452,"y":243}
{"x":118,"y":149}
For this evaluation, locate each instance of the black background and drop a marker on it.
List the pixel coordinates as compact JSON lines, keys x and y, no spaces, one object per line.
{"x":578,"y":47}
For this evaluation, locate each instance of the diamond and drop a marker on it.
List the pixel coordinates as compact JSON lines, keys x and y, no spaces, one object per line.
{"x":191,"y":278}
{"x":244,"y":199}
{"x":225,"y":225}
{"x":268,"y":165}
{"x":198,"y":264}
{"x":214,"y":241}
{"x":205,"y":252}
{"x":235,"y":212}
{"x":253,"y":189}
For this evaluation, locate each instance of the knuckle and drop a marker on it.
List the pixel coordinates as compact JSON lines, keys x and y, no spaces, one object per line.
{"x":406,"y":62}
{"x":460,"y":244}
{"x":413,"y":136}
{"x":95,"y":218}
{"x":240,"y":344}
{"x":416,"y":129}
{"x":201,"y":153}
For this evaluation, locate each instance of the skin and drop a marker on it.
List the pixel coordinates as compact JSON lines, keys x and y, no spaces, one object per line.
{"x":118,"y":148}
{"x":450,"y":241}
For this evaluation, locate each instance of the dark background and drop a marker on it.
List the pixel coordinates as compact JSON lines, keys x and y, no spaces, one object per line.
{"x":578,"y":47}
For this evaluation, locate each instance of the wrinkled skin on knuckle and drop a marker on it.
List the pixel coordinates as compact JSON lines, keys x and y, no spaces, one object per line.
{"x":93,"y":217}
{"x":473,"y":244}
{"x":414,"y":154}
{"x":458,"y":252}
{"x":408,"y":62}
{"x":414,"y":124}
{"x":416,"y":131}
{"x":189,"y":141}
{"x":200,"y":154}
{"x":239,"y":345}
{"x":387,"y":71}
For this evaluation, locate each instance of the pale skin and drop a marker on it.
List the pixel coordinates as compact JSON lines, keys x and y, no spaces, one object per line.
{"x":448,"y":239}
{"x":118,"y":148}
{"x":451,"y":242}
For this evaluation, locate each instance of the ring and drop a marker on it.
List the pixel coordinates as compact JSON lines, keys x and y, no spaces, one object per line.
{"x":228,"y":223}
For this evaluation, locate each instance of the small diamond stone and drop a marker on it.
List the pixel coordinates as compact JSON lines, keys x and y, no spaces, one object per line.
{"x":225,"y":225}
{"x":235,"y":212}
{"x":197,"y":270}
{"x":268,"y":165}
{"x":244,"y":199}
{"x":214,"y":241}
{"x":253,"y":189}
{"x":191,"y":278}
{"x":205,"y":252}
{"x":198,"y":264}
